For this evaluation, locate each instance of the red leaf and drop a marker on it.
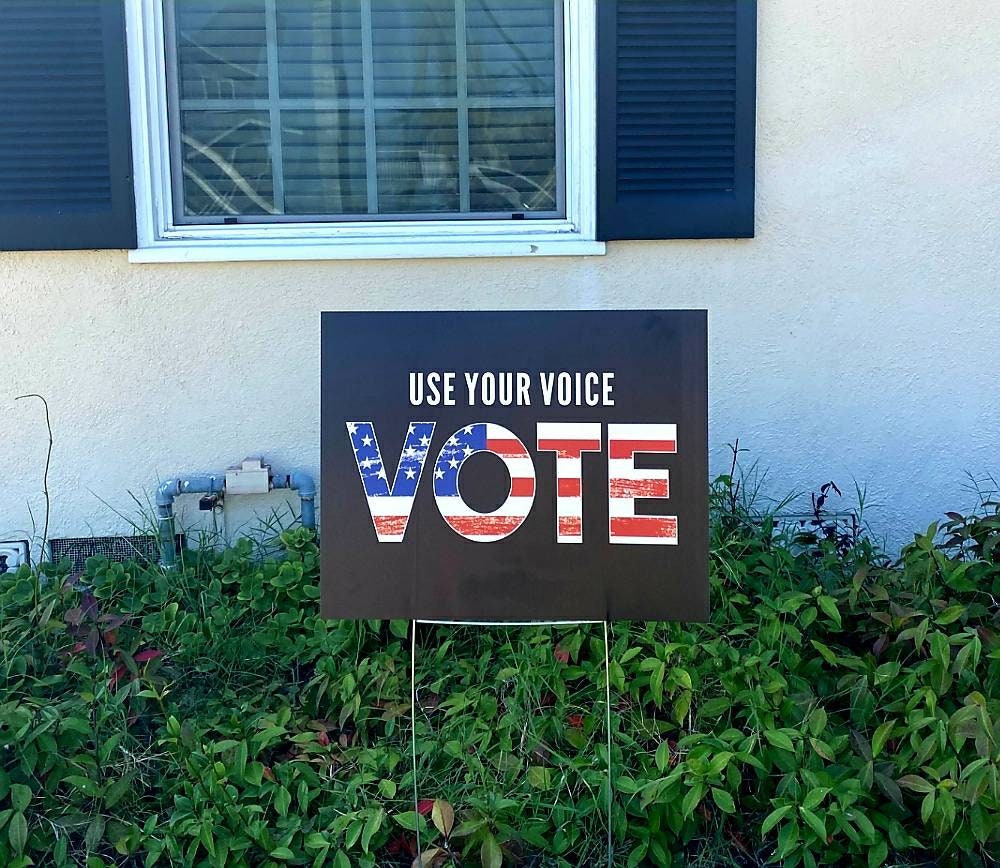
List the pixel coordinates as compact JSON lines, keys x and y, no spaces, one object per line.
{"x":402,"y":844}
{"x":88,"y":606}
{"x":425,"y":806}
{"x":116,"y":676}
{"x":323,"y":738}
{"x":147,"y":654}
{"x":562,"y":655}
{"x":268,"y":773}
{"x":78,"y":647}
{"x":575,"y":721}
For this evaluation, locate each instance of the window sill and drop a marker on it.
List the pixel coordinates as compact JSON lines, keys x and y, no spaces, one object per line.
{"x":170,"y":250}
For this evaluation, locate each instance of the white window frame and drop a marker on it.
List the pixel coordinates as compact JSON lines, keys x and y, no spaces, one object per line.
{"x":160,"y":240}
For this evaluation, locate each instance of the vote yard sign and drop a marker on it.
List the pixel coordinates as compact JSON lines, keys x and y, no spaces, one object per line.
{"x":515,"y":466}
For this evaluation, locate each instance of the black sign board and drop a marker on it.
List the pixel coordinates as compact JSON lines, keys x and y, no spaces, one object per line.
{"x":515,"y":466}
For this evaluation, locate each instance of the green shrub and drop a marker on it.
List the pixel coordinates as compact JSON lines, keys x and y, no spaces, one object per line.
{"x":838,"y":708}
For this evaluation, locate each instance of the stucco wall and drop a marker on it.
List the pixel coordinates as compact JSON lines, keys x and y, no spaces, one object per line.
{"x":856,"y":338}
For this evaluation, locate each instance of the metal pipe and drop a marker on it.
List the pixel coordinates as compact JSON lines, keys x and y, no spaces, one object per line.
{"x":166,"y":492}
{"x":304,"y":484}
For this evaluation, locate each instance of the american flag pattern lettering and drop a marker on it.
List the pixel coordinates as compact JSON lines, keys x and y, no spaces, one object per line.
{"x":626,"y":483}
{"x":508,"y":517}
{"x":390,"y":505}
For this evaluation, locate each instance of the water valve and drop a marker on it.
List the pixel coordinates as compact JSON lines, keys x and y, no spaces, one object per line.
{"x":251,"y":477}
{"x":208,"y":502}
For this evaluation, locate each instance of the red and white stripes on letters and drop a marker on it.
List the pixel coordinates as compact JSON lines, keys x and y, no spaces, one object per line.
{"x":569,"y":440}
{"x":626,"y":482}
{"x":390,"y":504}
{"x":510,"y":515}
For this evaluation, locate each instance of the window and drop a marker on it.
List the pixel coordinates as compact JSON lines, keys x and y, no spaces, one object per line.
{"x":316,"y":110}
{"x":275,"y":129}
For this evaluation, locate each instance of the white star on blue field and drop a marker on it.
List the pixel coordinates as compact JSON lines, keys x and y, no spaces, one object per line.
{"x":371,"y":466}
{"x":461,"y":444}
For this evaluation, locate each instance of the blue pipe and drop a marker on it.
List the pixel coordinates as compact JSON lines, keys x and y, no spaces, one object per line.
{"x":166,"y":492}
{"x":304,"y":484}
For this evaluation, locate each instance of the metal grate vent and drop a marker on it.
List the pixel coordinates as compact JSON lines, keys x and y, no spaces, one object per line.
{"x":144,"y":549}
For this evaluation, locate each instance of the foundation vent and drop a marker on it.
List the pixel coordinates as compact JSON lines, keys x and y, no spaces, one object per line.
{"x":145,"y":549}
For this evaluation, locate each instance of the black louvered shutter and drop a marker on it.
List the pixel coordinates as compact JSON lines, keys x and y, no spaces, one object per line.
{"x":65,"y":149}
{"x":676,"y":117}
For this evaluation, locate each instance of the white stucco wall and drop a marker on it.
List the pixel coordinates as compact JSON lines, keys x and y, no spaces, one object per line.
{"x":856,"y":338}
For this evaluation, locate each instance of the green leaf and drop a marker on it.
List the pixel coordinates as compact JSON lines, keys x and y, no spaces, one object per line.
{"x":881,"y":736}
{"x":788,"y":837}
{"x":981,"y":823}
{"x":372,"y":825}
{"x":353,"y":833}
{"x":84,"y":785}
{"x":772,"y":819}
{"x":714,"y":707}
{"x":915,"y":783}
{"x":638,"y":854}
{"x":718,"y":763}
{"x":116,"y":790}
{"x":815,"y":823}
{"x":662,"y":756}
{"x":316,"y":841}
{"x":17,"y":832}
{"x":927,"y":807}
{"x":814,"y":797}
{"x":779,"y":739}
{"x":940,"y":649}
{"x":887,"y":671}
{"x":95,"y":832}
{"x":240,"y":758}
{"x":682,"y":705}
{"x":282,"y":801}
{"x":20,"y":796}
{"x":865,"y":826}
{"x":682,"y":677}
{"x":817,"y":720}
{"x":691,"y":799}
{"x":539,"y":777}
{"x":724,"y":800}
{"x":878,"y":854}
{"x":463,"y":830}
{"x":409,"y":820}
{"x":254,"y":773}
{"x":825,"y":652}
{"x":282,"y":853}
{"x":950,"y":615}
{"x":822,"y":748}
{"x":656,"y":682}
{"x":829,"y":607}
{"x":490,"y":853}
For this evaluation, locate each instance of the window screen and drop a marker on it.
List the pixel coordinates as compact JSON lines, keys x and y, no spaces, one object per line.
{"x":365,"y":109}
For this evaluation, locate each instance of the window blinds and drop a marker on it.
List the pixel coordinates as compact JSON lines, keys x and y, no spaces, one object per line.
{"x":328,"y":109}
